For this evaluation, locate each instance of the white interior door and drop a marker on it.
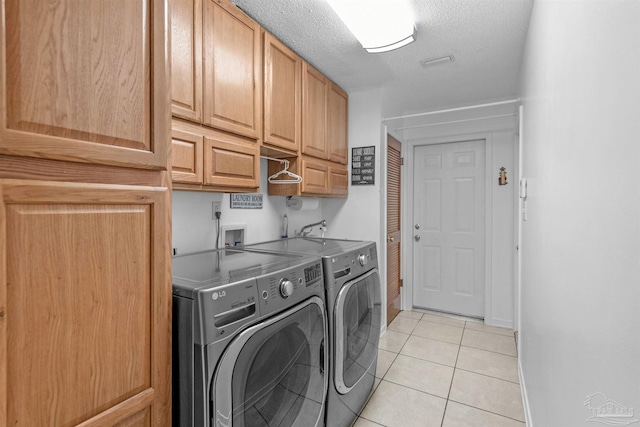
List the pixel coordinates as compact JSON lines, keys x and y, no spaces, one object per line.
{"x":448,"y":228}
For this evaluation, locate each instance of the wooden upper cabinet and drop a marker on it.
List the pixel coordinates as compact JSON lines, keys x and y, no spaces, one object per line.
{"x":186,"y":156}
{"x":314,"y":112}
{"x":337,"y":128}
{"x":186,"y":59}
{"x":324,"y":143}
{"x":338,"y":181}
{"x":282,"y":95}
{"x":232,"y":80}
{"x":85,"y":81}
{"x":213,"y":160}
{"x":229,"y":161}
{"x":315,"y":177}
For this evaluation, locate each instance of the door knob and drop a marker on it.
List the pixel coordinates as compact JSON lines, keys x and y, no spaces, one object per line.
{"x":416,"y":238}
{"x":390,"y":239}
{"x":417,"y":226}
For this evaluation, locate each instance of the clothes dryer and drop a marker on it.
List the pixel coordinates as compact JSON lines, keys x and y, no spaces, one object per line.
{"x":249,"y":335}
{"x":353,"y":299}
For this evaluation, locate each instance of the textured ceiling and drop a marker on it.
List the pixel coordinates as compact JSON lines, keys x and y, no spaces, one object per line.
{"x":485,"y":37}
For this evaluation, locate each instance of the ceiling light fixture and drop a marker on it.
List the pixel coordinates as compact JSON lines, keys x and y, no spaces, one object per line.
{"x":379,"y":25}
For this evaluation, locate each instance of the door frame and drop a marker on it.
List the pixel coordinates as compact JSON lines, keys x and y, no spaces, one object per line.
{"x":397,"y":234}
{"x":407,"y":217}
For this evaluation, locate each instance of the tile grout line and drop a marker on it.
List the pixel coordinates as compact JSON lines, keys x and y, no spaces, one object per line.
{"x":488,"y":376}
{"x":446,"y":403}
{"x":488,"y":351}
{"x":426,"y":360}
{"x":490,"y":412}
{"x":480,"y":409}
{"x":455,"y":367}
{"x":460,"y":318}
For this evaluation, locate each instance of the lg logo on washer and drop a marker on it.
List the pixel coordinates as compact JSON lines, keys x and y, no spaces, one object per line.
{"x":217,"y":295}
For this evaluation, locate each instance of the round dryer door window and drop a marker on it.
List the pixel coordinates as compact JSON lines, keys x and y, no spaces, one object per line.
{"x":357,"y":330}
{"x":272,"y":374}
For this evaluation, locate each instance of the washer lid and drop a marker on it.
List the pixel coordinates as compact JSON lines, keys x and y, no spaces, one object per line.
{"x":213,"y":268}
{"x":308,"y":245}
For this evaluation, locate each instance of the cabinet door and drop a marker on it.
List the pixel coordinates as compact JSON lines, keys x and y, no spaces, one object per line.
{"x":314,"y":112}
{"x":231,"y":161}
{"x":85,"y":304}
{"x":186,"y":59}
{"x":315,"y":177}
{"x":282,"y":95}
{"x":232,"y":69}
{"x":338,"y":181}
{"x":85,"y":81}
{"x":337,"y":119}
{"x":186,"y":156}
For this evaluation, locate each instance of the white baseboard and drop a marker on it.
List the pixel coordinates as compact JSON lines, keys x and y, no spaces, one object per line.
{"x":499,"y":322}
{"x":383,"y":328}
{"x":525,"y":398}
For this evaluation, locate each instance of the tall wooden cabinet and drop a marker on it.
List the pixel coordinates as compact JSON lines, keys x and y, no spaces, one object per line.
{"x":85,"y":282}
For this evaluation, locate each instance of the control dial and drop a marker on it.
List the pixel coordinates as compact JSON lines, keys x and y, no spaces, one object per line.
{"x":286,"y":288}
{"x":362,"y":259}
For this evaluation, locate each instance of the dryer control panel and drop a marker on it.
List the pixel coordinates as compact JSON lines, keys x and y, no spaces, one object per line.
{"x":346,"y":266}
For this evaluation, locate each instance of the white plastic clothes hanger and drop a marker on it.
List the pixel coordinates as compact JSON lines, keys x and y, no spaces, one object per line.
{"x":294,"y":179}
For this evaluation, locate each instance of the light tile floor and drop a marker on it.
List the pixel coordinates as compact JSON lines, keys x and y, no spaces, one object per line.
{"x":442,"y":371}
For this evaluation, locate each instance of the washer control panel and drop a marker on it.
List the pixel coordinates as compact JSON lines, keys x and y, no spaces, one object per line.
{"x":286,"y":288}
{"x":279,"y":290}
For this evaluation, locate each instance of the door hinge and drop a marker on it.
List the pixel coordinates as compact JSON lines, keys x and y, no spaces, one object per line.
{"x":401,"y":161}
{"x":401,"y":282}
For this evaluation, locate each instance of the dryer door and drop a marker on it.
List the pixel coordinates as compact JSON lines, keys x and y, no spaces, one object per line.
{"x":272,"y":374}
{"x":357,"y":323}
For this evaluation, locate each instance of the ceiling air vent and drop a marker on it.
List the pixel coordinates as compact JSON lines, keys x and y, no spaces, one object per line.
{"x":435,"y":61}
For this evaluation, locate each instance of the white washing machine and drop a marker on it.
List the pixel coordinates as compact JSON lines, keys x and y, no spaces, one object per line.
{"x":249,"y":335}
{"x":352,"y":285}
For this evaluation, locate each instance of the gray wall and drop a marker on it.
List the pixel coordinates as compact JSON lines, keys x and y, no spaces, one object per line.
{"x":580,"y":296}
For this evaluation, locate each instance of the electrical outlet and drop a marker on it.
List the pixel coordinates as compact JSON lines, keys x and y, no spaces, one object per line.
{"x":217,"y":207}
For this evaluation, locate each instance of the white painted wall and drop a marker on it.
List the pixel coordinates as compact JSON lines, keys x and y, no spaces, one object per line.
{"x":362,"y":216}
{"x":194,"y":229}
{"x":501,"y":149}
{"x":580,"y":301}
{"x":359,"y":216}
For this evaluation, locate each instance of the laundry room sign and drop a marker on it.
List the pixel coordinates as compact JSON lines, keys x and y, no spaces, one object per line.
{"x":363,"y":169}
{"x":246,"y":201}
